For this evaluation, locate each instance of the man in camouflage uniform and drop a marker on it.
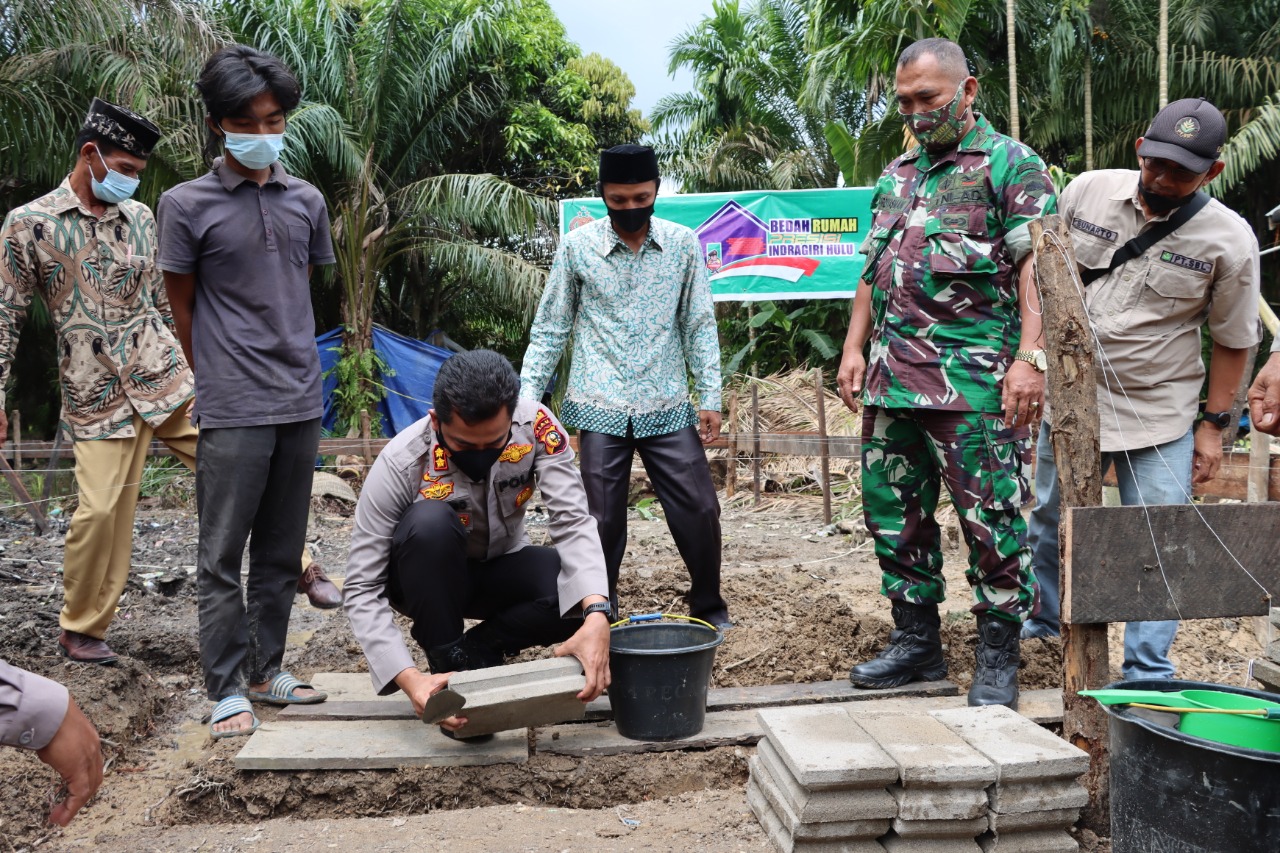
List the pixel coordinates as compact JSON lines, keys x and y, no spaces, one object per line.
{"x":954,"y":378}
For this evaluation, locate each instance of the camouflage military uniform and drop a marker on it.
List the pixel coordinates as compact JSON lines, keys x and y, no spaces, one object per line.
{"x":947,"y":233}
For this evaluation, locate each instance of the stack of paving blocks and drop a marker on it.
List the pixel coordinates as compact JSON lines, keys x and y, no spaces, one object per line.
{"x":1266,"y":669}
{"x":965,"y":780}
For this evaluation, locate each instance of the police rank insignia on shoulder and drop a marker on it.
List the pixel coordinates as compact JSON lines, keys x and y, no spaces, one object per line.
{"x":544,"y":429}
{"x":439,"y":459}
{"x":515,"y":452}
{"x":523,"y":497}
{"x":435,"y":489}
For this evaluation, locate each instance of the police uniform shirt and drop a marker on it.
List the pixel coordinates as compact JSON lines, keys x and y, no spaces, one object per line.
{"x":1147,"y":313}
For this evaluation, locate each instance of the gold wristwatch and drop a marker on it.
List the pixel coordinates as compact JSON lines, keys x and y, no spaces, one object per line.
{"x":1034,"y":357}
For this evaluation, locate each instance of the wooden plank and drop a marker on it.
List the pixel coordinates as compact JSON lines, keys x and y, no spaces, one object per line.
{"x":1072,"y":390}
{"x":1190,"y":572}
{"x":372,"y":745}
{"x":824,"y":450}
{"x":817,"y":693}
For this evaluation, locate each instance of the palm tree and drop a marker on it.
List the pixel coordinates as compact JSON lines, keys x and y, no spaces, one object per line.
{"x":393,"y":90}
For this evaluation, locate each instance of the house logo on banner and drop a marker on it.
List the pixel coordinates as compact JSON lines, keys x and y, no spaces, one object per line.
{"x":795,"y":244}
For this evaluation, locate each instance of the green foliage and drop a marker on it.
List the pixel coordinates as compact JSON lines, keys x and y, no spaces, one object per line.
{"x":782,"y":336}
{"x":357,"y":374}
{"x":167,"y":480}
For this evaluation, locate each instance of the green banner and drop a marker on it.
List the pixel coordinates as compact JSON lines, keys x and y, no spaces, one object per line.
{"x":797,"y":244}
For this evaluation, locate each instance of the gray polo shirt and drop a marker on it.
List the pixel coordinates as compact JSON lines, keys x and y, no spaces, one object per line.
{"x":253,"y":332}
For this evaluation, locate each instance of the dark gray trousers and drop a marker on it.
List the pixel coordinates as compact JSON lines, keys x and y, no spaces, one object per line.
{"x":677,"y":466}
{"x":433,"y":582}
{"x":250,"y":480}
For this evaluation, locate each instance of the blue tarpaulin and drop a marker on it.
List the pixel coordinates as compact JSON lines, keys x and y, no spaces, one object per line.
{"x":410,"y":379}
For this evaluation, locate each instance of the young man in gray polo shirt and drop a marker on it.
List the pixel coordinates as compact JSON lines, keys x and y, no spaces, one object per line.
{"x":1146,"y":314}
{"x":236,"y":247}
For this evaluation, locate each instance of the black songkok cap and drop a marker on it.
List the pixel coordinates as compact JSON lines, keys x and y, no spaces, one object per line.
{"x":123,"y":128}
{"x":1190,"y":132}
{"x":628,"y":164}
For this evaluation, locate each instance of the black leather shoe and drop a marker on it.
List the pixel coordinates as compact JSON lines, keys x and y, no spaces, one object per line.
{"x":995,"y":679}
{"x":914,"y":652}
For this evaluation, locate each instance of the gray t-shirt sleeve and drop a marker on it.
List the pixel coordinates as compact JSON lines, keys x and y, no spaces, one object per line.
{"x":321,"y":240}
{"x":178,"y":248}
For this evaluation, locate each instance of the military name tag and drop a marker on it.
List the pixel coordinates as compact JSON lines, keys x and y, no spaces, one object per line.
{"x":1094,"y":230}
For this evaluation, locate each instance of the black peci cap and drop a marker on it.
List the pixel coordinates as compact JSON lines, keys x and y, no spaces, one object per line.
{"x":628,"y":164}
{"x":1190,"y":132}
{"x":122,"y":127}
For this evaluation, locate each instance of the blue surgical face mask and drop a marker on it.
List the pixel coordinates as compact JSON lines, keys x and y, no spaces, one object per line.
{"x":254,"y":150}
{"x":115,"y":187}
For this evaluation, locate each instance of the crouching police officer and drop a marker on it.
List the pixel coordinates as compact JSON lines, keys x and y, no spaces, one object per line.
{"x":439,"y":536}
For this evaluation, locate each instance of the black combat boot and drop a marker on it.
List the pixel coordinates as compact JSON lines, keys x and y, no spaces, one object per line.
{"x":914,"y":652}
{"x":995,"y":680}
{"x":478,"y":648}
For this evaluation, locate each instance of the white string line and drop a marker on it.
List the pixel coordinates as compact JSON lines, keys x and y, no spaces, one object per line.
{"x":1108,"y":372}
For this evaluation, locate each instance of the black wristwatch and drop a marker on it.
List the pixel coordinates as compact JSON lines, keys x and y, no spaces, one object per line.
{"x":598,"y":607}
{"x":1221,"y":420}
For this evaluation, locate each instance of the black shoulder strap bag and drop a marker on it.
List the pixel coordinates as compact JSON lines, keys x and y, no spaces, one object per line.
{"x":1138,"y":245}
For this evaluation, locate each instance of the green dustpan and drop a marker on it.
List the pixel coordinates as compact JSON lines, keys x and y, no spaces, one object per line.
{"x":1250,"y":732}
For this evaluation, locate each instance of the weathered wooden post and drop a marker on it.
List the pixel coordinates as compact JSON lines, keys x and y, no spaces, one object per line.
{"x":755,"y":442}
{"x":823,"y":449}
{"x":1073,"y":394}
{"x":731,"y":472}
{"x":51,"y":473}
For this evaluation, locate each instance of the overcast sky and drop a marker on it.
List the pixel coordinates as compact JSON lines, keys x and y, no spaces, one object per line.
{"x":635,"y":35}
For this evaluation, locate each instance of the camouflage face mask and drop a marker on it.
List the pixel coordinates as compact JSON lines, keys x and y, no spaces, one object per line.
{"x":940,"y":128}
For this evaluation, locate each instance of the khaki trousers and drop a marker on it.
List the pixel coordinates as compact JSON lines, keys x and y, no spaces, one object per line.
{"x":99,"y":546}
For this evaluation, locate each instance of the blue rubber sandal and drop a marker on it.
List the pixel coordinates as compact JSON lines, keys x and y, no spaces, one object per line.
{"x":228,"y":708}
{"x":280,"y":692}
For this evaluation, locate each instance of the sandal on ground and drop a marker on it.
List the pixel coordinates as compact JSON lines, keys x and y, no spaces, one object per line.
{"x":280,"y":692}
{"x":228,"y":708}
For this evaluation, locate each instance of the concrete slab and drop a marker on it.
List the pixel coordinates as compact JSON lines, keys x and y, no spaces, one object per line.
{"x":894,"y":843}
{"x":782,"y":840}
{"x":966,"y":829}
{"x":780,"y":794}
{"x":1029,"y":842}
{"x":520,"y":695}
{"x":1029,"y":821}
{"x":1019,"y":749}
{"x":1038,"y":797}
{"x":940,"y":803}
{"x":824,"y":748}
{"x":375,"y":745}
{"x":815,"y":807}
{"x":349,"y":687}
{"x":724,"y":728}
{"x":927,"y":752}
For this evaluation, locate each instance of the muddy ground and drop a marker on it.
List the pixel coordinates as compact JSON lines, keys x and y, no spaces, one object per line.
{"x":805,"y":603}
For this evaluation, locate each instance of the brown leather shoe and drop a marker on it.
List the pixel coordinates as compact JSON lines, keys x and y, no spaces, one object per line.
{"x":85,"y":649}
{"x":319,"y":589}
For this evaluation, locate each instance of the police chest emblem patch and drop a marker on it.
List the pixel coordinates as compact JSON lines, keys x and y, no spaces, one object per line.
{"x":435,"y":488}
{"x":523,"y":497}
{"x":515,"y":452}
{"x":1094,"y":230}
{"x":1193,"y":264}
{"x":465,"y":518}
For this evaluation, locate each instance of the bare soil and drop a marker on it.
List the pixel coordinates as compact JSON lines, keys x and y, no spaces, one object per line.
{"x":805,"y":602}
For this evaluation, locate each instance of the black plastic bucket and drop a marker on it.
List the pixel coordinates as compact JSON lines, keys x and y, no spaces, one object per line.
{"x":660,"y":676}
{"x":1174,"y":792}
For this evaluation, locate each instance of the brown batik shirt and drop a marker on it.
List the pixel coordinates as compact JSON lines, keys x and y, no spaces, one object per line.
{"x":117,"y":352}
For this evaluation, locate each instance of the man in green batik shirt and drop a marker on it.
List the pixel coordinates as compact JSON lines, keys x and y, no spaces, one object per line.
{"x":954,"y":376}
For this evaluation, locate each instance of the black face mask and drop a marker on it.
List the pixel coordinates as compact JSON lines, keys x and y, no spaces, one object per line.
{"x":474,"y":463}
{"x":1157,"y":203}
{"x":632,"y":219}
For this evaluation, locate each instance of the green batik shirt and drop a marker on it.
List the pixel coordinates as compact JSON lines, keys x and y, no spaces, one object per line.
{"x":947,"y":233}
{"x":642,"y":323}
{"x":117,"y":352}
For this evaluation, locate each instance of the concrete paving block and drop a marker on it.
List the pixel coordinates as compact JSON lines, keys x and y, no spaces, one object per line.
{"x":940,"y":803}
{"x":784,"y":842}
{"x":1019,"y":749}
{"x":825,"y":749}
{"x":1028,"y":821}
{"x":927,"y":752}
{"x":762,"y":781}
{"x":371,"y":745}
{"x":1057,"y":841}
{"x":969,"y":829}
{"x":350,"y":687}
{"x":822,"y":806}
{"x":1038,"y":797}
{"x":520,"y":695}
{"x":1266,"y":673}
{"x":894,"y":843}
